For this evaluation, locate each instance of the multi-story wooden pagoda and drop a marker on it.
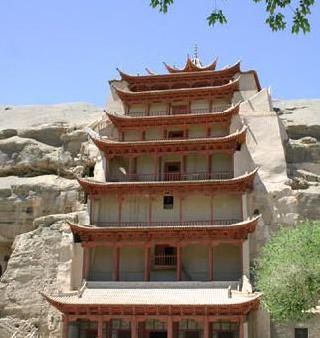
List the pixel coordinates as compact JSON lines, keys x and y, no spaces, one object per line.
{"x":166,"y":254}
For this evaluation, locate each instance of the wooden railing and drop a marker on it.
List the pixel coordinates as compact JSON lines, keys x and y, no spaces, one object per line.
{"x":214,"y":109}
{"x":172,"y":176}
{"x":165,"y":260}
{"x":174,"y":223}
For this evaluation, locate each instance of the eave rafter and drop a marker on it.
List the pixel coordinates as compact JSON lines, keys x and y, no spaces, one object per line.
{"x":239,"y":184}
{"x":213,"y":92}
{"x":124,"y":122}
{"x":227,"y":144}
{"x":97,"y":235}
{"x":239,"y":309}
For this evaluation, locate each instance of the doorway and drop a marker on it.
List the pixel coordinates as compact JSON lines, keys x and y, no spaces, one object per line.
{"x":157,"y":334}
{"x":172,"y":171}
{"x":225,"y":334}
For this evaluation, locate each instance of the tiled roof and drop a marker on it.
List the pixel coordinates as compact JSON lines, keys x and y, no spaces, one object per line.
{"x":155,"y":296}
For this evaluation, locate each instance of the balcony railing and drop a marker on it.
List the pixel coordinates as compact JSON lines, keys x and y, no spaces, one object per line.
{"x":165,"y":260}
{"x":171,"y":176}
{"x":215,"y":109}
{"x":220,"y":221}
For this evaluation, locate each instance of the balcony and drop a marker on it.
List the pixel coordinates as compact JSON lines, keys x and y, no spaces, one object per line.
{"x":172,"y":176}
{"x":215,"y":109}
{"x":216,"y":222}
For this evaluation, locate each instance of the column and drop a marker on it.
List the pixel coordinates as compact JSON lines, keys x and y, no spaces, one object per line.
{"x":245,"y":258}
{"x":147,"y":263}
{"x":179,"y":262}
{"x":209,"y":165}
{"x":210,"y":258}
{"x":130,"y":169}
{"x":205,"y":327}
{"x":134,"y":328}
{"x":181,"y":198}
{"x":169,"y":328}
{"x":241,"y":328}
{"x":65,"y":326}
{"x":183,"y":167}
{"x":86,"y":263}
{"x":100,"y":327}
{"x":211,"y":209}
{"x":245,"y":329}
{"x":150,"y":209}
{"x":210,"y":106}
{"x":244,"y":203}
{"x":116,"y":263}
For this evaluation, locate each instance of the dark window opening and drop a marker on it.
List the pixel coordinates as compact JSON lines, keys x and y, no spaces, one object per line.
{"x":168,"y":202}
{"x":175,"y":134}
{"x":300,"y":333}
{"x":165,"y":255}
{"x":180,"y":109}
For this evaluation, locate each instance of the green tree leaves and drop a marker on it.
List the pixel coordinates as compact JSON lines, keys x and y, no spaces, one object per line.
{"x":278,"y":13}
{"x":288,"y":272}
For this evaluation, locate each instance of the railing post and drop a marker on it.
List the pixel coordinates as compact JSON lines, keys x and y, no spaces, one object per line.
{"x":147,"y":263}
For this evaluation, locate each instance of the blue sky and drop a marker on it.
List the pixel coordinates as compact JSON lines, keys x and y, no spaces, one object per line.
{"x":66,"y":50}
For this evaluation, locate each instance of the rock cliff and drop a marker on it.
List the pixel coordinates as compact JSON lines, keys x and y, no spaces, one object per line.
{"x":41,"y":150}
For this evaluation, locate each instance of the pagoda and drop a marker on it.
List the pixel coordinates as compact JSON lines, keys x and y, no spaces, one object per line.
{"x":166,"y":253}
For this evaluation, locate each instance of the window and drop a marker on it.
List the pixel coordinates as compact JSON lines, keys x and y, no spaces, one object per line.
{"x":180,"y":109}
{"x":165,"y":255}
{"x":300,"y":333}
{"x":175,"y":134}
{"x":167,"y":202}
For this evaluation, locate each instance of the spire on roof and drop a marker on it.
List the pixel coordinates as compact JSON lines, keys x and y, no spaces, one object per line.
{"x":196,"y":60}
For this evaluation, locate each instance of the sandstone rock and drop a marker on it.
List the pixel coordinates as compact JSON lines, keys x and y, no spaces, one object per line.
{"x":33,"y":268}
{"x":23,"y":199}
{"x":6,"y":133}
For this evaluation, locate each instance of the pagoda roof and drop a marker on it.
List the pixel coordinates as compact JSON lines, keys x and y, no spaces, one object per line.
{"x":127,"y":122}
{"x":238,"y":184}
{"x":227,"y":143}
{"x":198,"y":93}
{"x":140,"y":298}
{"x":227,"y":71}
{"x":169,"y":232}
{"x":191,"y":66}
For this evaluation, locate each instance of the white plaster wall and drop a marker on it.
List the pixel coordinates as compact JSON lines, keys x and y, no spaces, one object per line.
{"x":199,"y":104}
{"x":145,"y":165}
{"x":221,"y":162}
{"x":135,"y":208}
{"x":285,"y":330}
{"x":162,"y":215}
{"x":243,"y":161}
{"x":101,"y":264}
{"x":247,"y":82}
{"x":197,"y":131}
{"x":196,"y":163}
{"x":227,"y":206}
{"x":195,"y":262}
{"x":163,"y":275}
{"x":132,"y":264}
{"x":132,"y":135}
{"x":154,"y":134}
{"x":227,"y":262}
{"x":137,"y":108}
{"x":196,"y":207}
{"x":218,"y":131}
{"x":109,"y":210}
{"x":158,"y":107}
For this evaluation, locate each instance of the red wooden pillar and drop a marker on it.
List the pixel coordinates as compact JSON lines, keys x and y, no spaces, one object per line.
{"x":179,"y":262}
{"x":210,"y":267}
{"x":86,"y":263}
{"x":116,"y":263}
{"x":65,"y":326}
{"x":241,"y":328}
{"x":210,"y":106}
{"x":156,"y":167}
{"x":212,"y":209}
{"x":150,"y":209}
{"x":209,"y":165}
{"x":134,"y":328}
{"x":100,"y":328}
{"x":205,"y":327}
{"x":169,"y":328}
{"x":181,"y":198}
{"x":147,"y":263}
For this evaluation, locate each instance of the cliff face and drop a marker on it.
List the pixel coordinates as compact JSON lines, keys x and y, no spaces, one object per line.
{"x":42,"y":148}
